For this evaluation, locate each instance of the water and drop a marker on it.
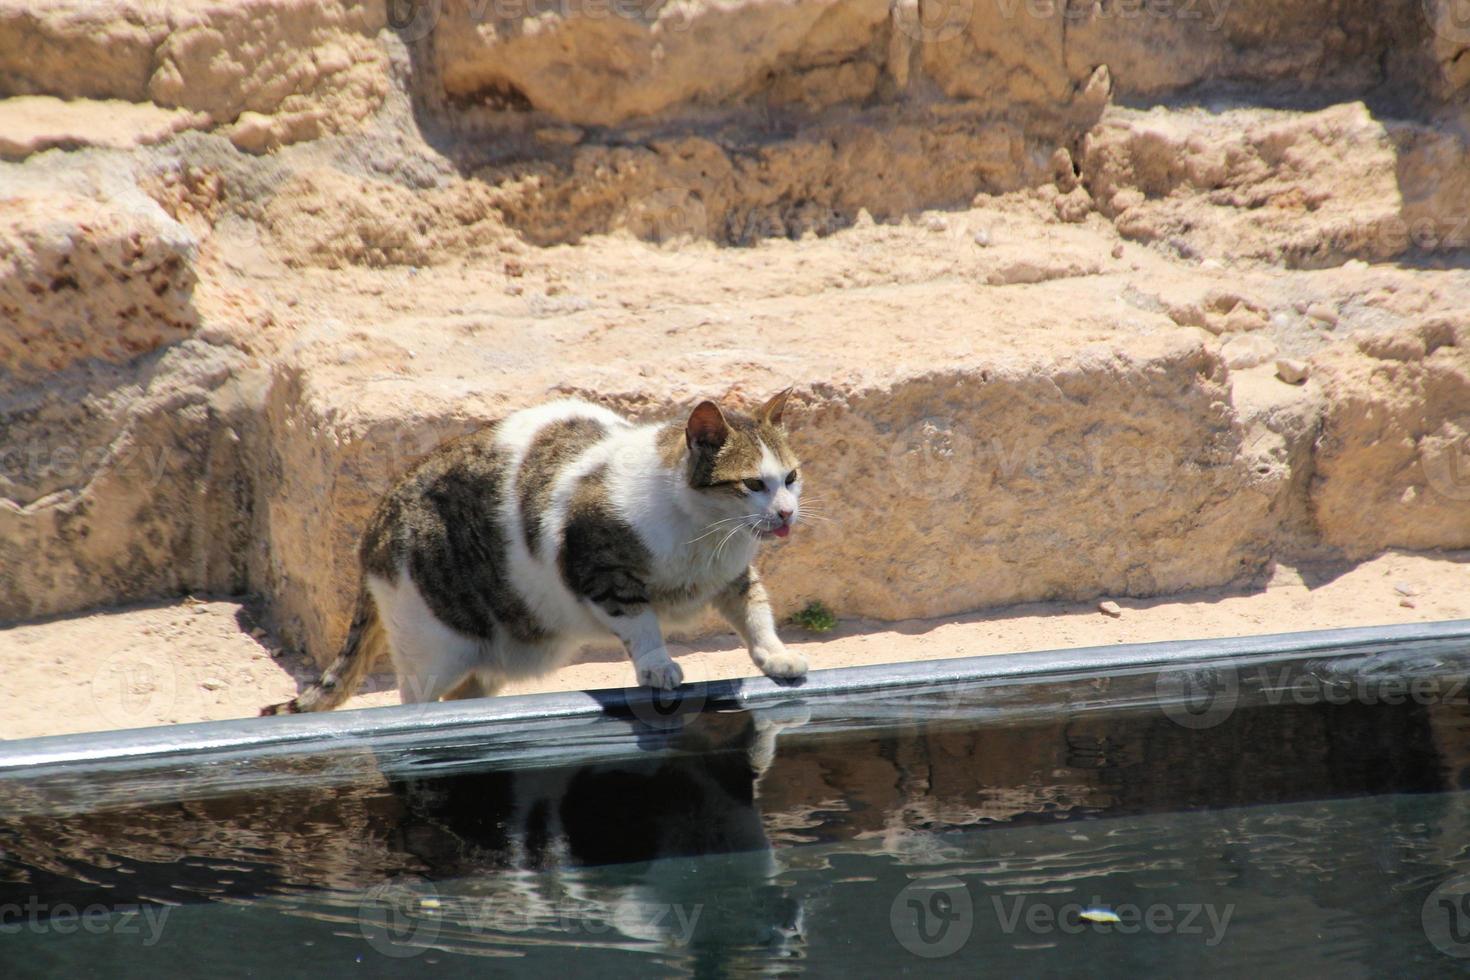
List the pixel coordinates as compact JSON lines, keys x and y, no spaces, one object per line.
{"x":1296,"y":836}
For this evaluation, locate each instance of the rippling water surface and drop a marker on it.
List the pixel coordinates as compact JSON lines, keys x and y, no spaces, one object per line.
{"x":1298,"y":836}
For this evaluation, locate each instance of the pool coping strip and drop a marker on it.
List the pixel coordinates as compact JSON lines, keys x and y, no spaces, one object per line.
{"x":333,"y":729}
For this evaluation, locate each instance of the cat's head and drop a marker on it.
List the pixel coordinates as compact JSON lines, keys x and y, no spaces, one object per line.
{"x":742,"y":467}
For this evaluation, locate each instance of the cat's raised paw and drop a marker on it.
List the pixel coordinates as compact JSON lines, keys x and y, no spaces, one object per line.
{"x":663,"y":675}
{"x":783,"y":663}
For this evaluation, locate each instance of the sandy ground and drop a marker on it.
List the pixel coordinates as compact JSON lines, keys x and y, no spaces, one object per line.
{"x":201,"y":659}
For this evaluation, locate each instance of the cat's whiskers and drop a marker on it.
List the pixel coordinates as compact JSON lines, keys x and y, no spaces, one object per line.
{"x":717,"y":528}
{"x":751,"y":522}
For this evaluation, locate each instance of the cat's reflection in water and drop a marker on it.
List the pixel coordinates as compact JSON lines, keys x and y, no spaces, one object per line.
{"x":667,"y":848}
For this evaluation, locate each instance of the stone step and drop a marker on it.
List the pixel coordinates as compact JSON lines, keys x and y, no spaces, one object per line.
{"x":981,"y":424}
{"x":268,"y":71}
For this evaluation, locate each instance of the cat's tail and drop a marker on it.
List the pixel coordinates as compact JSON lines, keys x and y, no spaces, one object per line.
{"x":364,"y":643}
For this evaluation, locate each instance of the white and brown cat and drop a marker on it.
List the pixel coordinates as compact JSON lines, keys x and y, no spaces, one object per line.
{"x":503,"y":552}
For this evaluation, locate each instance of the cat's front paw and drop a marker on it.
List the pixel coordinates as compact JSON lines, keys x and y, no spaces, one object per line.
{"x":779,"y":662}
{"x":662,"y":675}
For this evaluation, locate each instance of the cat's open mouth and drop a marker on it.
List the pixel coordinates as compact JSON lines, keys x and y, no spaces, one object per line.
{"x":765,"y":534}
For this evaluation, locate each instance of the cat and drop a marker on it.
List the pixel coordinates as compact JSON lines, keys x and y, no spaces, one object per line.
{"x":502,"y":553}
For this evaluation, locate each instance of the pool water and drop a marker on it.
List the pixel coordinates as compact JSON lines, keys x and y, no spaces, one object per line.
{"x":1077,"y":826}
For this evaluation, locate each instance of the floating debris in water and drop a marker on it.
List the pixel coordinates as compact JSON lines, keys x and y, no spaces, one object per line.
{"x":1099,"y":915}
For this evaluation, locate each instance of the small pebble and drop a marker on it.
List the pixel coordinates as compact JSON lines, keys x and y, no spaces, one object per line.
{"x":937,"y":224}
{"x":211,"y":684}
{"x":1243,"y":319}
{"x":1293,"y":372}
{"x":1118,"y":251}
{"x":1323,"y":313}
{"x":982,"y":238}
{"x":258,"y":633}
{"x":1408,"y":604}
{"x":1404,"y":588}
{"x":1110,"y":608}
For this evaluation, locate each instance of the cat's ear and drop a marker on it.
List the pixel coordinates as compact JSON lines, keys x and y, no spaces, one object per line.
{"x":771,"y":410}
{"x":707,"y":428}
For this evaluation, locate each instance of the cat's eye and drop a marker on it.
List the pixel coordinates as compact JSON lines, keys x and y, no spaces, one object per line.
{"x":755,"y":485}
{"x":790,"y":478}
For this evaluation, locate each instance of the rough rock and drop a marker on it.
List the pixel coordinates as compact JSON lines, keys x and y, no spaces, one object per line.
{"x":33,"y":123}
{"x":1393,"y":463}
{"x":1292,"y":371}
{"x":1247,"y":351}
{"x":816,"y":181}
{"x":603,"y":67}
{"x":322,"y":216}
{"x":1449,"y":40}
{"x":1281,"y":424}
{"x":669,"y":191}
{"x":81,"y":279}
{"x":302,"y":68}
{"x":124,"y":481}
{"x":1343,"y":45}
{"x":1309,"y":189}
{"x":1323,"y":314}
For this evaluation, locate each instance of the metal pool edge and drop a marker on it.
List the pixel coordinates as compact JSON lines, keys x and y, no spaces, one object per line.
{"x":398,"y":722}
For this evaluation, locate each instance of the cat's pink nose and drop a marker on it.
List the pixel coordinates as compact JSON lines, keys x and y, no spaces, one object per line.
{"x":784,"y":514}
